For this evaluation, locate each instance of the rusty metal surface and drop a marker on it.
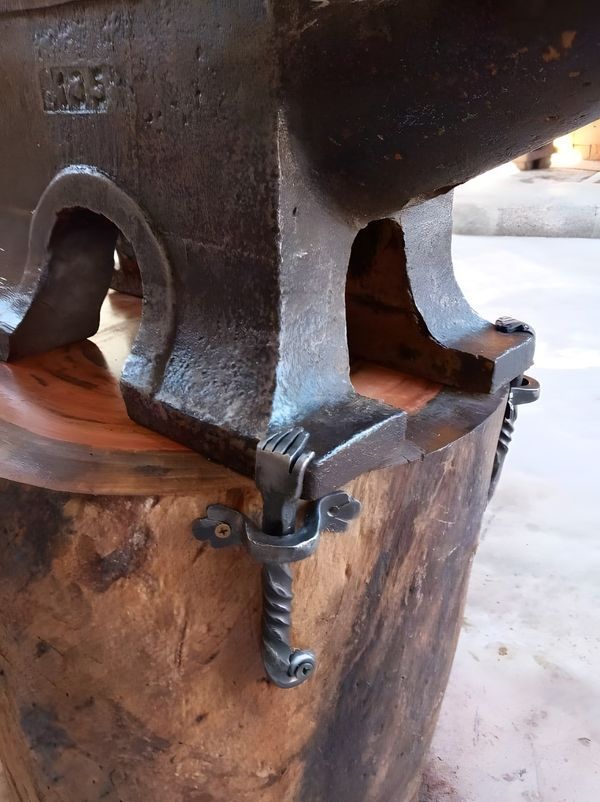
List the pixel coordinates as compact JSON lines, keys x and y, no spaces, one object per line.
{"x":239,"y":149}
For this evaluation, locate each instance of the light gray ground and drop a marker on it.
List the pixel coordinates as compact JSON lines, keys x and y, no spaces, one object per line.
{"x":521,"y":719}
{"x":560,"y":202}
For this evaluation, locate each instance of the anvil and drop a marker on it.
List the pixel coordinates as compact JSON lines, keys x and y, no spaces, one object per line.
{"x":281,"y":174}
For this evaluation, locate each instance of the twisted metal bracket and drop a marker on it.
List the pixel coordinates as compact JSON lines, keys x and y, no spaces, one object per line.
{"x":523,"y":390}
{"x":281,"y":462}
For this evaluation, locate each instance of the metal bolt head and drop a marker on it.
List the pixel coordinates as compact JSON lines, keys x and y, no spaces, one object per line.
{"x":304,"y":670}
{"x":222,"y":531}
{"x":510,"y":325}
{"x":302,"y":665}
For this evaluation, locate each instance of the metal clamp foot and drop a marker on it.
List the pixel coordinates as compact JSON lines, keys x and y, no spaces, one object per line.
{"x":281,"y":462}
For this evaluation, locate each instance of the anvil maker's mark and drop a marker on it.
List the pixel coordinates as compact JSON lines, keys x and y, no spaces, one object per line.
{"x":75,"y":90}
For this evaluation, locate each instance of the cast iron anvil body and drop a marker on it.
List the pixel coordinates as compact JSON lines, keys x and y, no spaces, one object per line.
{"x":239,"y":148}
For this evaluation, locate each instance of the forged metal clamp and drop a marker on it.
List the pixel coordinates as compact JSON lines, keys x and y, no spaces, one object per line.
{"x":523,"y":390}
{"x":281,"y":462}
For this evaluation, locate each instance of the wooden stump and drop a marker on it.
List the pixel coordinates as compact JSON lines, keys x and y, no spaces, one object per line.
{"x":130,"y":667}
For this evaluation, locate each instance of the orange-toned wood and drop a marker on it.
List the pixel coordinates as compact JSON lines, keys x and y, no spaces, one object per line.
{"x":393,"y":387}
{"x":64,"y":426}
{"x":130,"y":665}
{"x":72,"y":393}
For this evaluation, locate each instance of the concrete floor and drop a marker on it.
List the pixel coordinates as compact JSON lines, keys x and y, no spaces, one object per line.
{"x":559,"y":202}
{"x":521,"y":719}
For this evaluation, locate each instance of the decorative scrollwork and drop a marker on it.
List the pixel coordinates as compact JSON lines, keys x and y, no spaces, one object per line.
{"x":285,"y":667}
{"x":280,"y":466}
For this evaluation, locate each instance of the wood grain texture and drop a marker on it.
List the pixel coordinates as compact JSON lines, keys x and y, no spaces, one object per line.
{"x":129,"y":654}
{"x":8,"y":6}
{"x":63,"y":422}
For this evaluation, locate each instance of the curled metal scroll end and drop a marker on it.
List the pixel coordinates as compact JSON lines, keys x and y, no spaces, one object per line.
{"x":285,"y":666}
{"x":301,"y":665}
{"x":524,"y":390}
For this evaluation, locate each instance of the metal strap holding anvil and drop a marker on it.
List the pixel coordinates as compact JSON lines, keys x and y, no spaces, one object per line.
{"x":281,"y":462}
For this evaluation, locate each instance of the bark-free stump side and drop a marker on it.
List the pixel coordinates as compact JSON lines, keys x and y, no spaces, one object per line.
{"x":130,"y":666}
{"x":129,"y":654}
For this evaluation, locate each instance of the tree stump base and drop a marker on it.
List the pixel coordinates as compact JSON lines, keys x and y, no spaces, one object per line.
{"x":130,"y":662}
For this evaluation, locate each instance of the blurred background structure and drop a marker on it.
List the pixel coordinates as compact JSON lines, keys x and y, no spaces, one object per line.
{"x":562,"y":200}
